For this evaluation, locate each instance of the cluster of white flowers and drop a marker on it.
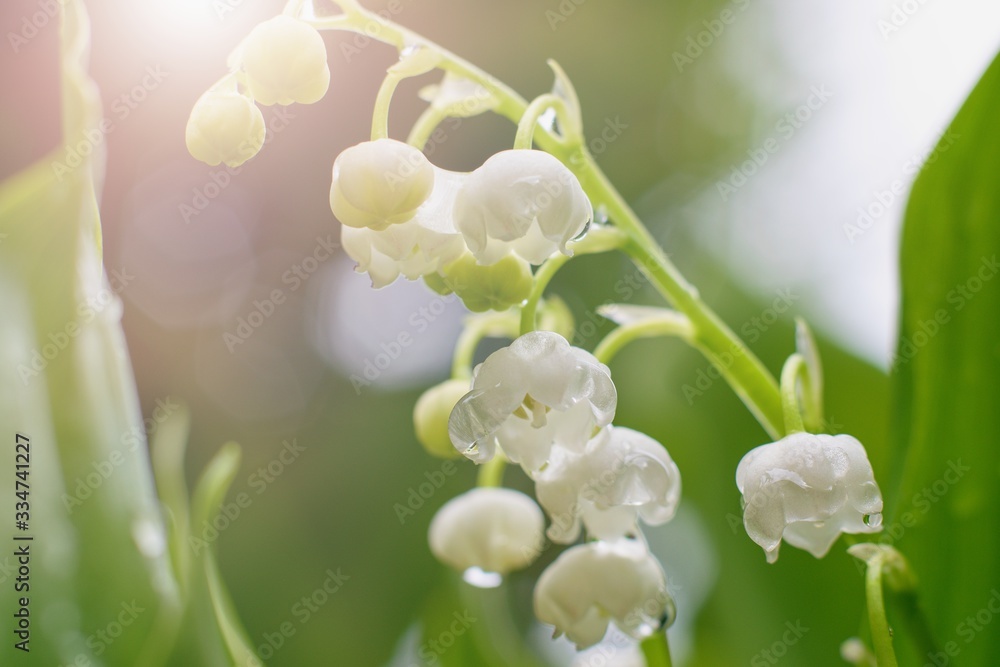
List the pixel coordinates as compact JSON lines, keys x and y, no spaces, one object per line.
{"x":282,"y":61}
{"x":548,"y":406}
{"x":475,"y":234}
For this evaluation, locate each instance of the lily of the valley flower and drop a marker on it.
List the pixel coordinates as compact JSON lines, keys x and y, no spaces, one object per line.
{"x":521,"y":201}
{"x":493,"y":529}
{"x":420,"y":246}
{"x":224,"y":127}
{"x":537,"y":392}
{"x":379,"y":183}
{"x":621,"y":475}
{"x":808,"y":489}
{"x":285,"y":62}
{"x":592,"y":584}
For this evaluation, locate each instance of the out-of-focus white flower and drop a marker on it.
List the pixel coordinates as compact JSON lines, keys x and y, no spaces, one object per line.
{"x":493,"y":529}
{"x":808,"y":489}
{"x":285,"y":62}
{"x":536,"y":392}
{"x":224,"y":127}
{"x":621,"y":475}
{"x":379,"y":183}
{"x":521,"y":201}
{"x":589,"y":585}
{"x":422,"y":245}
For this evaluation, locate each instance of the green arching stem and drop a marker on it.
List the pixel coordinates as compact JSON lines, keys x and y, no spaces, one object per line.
{"x":491,"y":473}
{"x":881,"y":634}
{"x":529,"y":121}
{"x":422,"y":130}
{"x":477,"y":327}
{"x":794,"y":370}
{"x":380,"y":117}
{"x":543,"y":276}
{"x":668,"y":324}
{"x":656,"y":650}
{"x":748,"y":376}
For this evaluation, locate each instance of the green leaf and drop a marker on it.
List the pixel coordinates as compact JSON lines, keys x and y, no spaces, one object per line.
{"x":68,"y":385}
{"x":945,"y":492}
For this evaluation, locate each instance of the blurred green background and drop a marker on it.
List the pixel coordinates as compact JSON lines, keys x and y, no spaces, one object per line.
{"x":206,"y":247}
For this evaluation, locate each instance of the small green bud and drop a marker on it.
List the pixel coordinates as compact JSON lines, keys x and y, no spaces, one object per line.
{"x":430,"y":417}
{"x":495,"y":287}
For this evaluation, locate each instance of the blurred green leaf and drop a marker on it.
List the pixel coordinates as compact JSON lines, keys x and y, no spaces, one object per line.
{"x":945,"y":507}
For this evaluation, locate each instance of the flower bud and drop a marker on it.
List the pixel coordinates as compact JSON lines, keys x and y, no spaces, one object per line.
{"x":285,"y":62}
{"x":496,"y":530}
{"x":224,"y":127}
{"x":430,"y":417}
{"x":521,"y":201}
{"x":592,"y":584}
{"x":379,"y":183}
{"x":808,"y":489}
{"x":495,"y":287}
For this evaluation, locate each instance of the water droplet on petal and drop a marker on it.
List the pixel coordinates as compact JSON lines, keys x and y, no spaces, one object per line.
{"x":479,"y":578}
{"x":873,"y":520}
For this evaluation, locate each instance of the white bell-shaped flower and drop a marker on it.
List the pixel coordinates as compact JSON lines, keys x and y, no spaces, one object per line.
{"x":621,"y":475}
{"x":521,"y":201}
{"x":224,"y":127}
{"x":422,"y":245}
{"x":534,"y":393}
{"x":379,"y":183}
{"x":592,"y":584}
{"x":285,"y":62}
{"x":493,"y":530}
{"x":808,"y":489}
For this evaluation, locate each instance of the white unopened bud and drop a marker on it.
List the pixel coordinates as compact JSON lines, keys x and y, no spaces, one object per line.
{"x":285,"y":62}
{"x":224,"y":127}
{"x":495,"y":530}
{"x":379,"y":183}
{"x":431,"y":413}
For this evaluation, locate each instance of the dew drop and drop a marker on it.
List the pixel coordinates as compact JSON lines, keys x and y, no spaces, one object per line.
{"x":479,"y":578}
{"x":873,"y":520}
{"x":548,"y":120}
